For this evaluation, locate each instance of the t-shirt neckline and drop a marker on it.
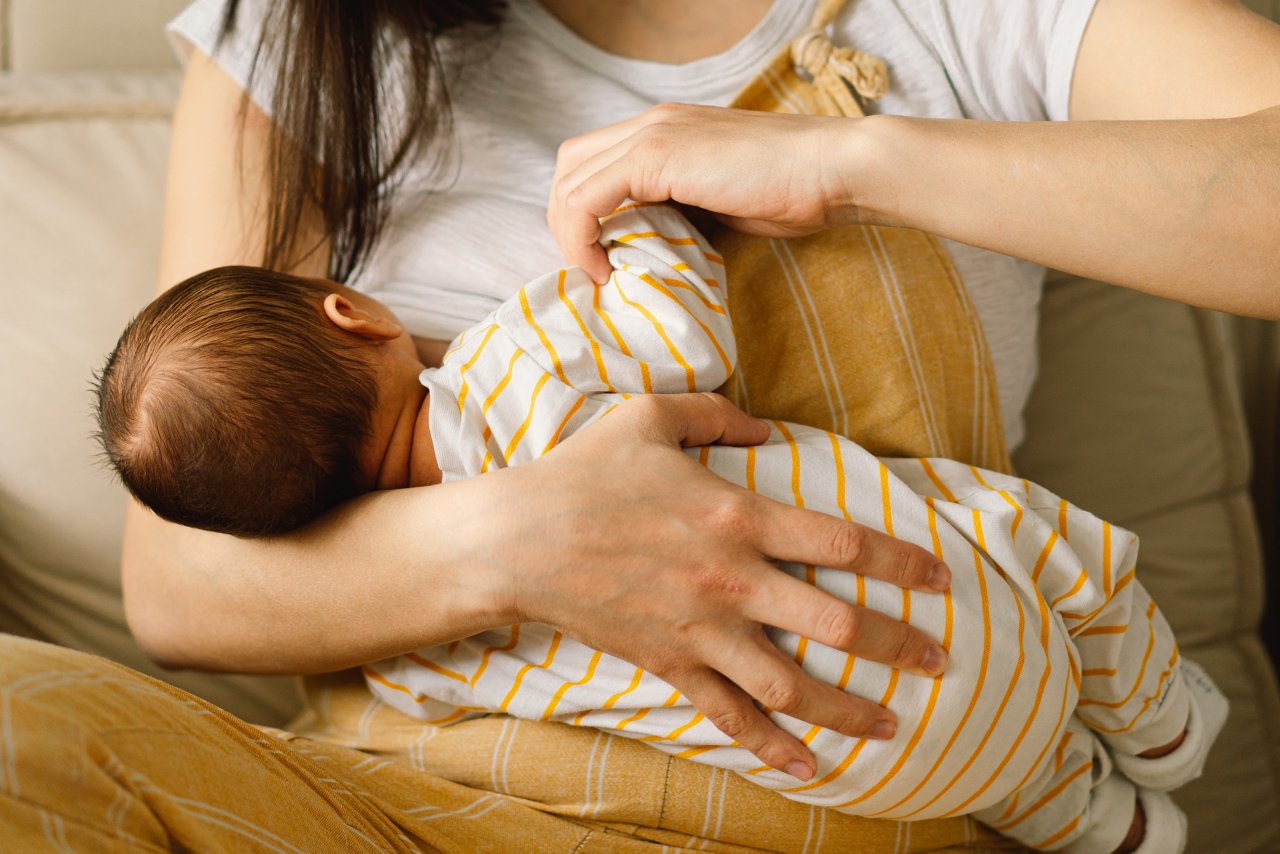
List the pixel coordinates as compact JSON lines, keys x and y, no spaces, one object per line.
{"x":686,"y":81}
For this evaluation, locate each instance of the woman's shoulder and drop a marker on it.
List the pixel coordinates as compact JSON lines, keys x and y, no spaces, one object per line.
{"x":199,"y":27}
{"x":1009,"y":60}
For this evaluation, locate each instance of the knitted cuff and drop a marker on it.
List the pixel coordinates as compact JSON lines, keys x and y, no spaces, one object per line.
{"x":1110,"y":813}
{"x":1166,"y":825}
{"x":1111,"y":809}
{"x":1207,"y":713}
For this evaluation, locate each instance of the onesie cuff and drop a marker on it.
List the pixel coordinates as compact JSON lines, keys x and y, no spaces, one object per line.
{"x":1207,"y":712}
{"x":1111,"y":808}
{"x":1162,"y":724}
{"x":1166,"y":825}
{"x":1109,"y":816}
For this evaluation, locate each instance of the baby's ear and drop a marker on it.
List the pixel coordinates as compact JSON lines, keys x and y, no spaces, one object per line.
{"x":347,"y":316}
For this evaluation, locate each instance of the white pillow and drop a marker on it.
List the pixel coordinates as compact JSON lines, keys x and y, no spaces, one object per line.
{"x":82,"y":161}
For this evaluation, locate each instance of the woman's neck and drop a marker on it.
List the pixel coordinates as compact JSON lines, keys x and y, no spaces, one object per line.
{"x":671,"y":31}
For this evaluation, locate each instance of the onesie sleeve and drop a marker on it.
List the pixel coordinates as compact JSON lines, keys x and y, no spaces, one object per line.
{"x":659,"y":325}
{"x":197,"y":27}
{"x":1008,"y":60}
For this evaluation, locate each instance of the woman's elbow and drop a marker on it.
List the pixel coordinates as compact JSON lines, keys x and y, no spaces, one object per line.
{"x":158,"y":614}
{"x":149,"y":620}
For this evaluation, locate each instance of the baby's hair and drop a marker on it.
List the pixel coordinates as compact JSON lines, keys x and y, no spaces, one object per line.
{"x":232,"y":404}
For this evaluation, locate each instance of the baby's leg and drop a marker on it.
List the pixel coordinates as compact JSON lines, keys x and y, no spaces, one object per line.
{"x":1079,"y":802}
{"x":1158,"y":713}
{"x":1135,"y":693}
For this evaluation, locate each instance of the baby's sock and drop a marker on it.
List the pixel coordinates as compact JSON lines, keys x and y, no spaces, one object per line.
{"x":1166,"y":825}
{"x":1111,"y":814}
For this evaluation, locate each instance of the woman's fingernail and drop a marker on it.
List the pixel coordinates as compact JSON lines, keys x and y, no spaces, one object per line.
{"x":883,"y":730}
{"x":940,"y":577}
{"x":935,"y":661}
{"x":800,"y":771}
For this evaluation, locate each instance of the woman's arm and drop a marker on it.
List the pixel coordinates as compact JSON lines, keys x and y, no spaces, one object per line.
{"x":1185,"y":207}
{"x":659,"y":562}
{"x":196,"y":599}
{"x":1166,"y":180}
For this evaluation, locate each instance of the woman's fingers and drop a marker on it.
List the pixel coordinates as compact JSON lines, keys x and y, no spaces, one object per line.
{"x":770,"y":172}
{"x":731,"y":710}
{"x":671,"y":570}
{"x":802,"y":536}
{"x":753,"y":668}
{"x":594,"y":189}
{"x":576,"y":150}
{"x":689,"y":420}
{"x":589,"y":185}
{"x":779,"y":685}
{"x":790,"y":604}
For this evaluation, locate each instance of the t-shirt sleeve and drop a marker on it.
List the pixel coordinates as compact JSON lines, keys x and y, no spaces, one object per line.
{"x":1011,"y":60}
{"x":198,"y":26}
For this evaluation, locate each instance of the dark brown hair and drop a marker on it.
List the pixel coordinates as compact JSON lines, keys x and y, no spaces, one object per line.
{"x":232,"y":404}
{"x":334,"y":61}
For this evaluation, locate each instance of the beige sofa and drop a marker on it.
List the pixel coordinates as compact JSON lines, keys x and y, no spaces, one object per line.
{"x":1158,"y":417}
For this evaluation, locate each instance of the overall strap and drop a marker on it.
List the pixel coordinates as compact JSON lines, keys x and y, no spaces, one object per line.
{"x":837,"y":69}
{"x":826,"y":12}
{"x":865,"y":331}
{"x":812,"y":75}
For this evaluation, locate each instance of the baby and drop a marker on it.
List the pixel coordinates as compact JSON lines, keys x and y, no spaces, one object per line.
{"x":249,"y":402}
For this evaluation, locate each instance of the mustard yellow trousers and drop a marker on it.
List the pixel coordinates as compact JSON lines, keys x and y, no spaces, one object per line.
{"x":97,"y":757}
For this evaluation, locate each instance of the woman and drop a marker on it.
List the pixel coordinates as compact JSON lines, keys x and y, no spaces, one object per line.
{"x":1171,"y":195}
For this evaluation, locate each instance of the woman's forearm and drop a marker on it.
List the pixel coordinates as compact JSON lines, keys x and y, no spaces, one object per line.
{"x":616,"y":537}
{"x":1188,"y":210}
{"x":385,"y":574}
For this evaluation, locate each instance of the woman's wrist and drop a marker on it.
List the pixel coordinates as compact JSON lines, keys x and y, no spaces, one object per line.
{"x":863,"y":156}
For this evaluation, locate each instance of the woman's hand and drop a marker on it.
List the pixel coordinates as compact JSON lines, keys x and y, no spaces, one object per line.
{"x":672,"y":571}
{"x":765,"y":173}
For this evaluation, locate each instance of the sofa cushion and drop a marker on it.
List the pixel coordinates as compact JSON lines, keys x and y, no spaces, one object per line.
{"x":58,"y":35}
{"x":82,"y":169}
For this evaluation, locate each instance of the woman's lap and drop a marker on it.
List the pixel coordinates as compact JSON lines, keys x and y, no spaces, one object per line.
{"x":95,"y":756}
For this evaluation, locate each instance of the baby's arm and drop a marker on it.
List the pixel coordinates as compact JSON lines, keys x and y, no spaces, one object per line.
{"x":1157,"y":712}
{"x":659,"y":325}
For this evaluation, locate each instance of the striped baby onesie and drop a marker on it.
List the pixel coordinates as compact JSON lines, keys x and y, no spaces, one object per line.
{"x":1057,"y":653}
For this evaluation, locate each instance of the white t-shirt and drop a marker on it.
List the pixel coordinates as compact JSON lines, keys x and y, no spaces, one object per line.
{"x":465,"y":237}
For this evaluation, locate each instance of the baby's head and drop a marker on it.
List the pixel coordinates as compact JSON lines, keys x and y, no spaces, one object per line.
{"x":236,"y":403}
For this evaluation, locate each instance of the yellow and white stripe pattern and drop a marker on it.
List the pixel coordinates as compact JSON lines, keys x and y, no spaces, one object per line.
{"x":562,"y":352}
{"x":1044,"y":623}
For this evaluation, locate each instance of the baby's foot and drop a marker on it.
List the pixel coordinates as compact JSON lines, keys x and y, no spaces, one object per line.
{"x":1185,"y":758}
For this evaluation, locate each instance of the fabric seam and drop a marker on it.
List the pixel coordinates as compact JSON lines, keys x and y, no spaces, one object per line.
{"x":1064,"y":38}
{"x":25,"y":113}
